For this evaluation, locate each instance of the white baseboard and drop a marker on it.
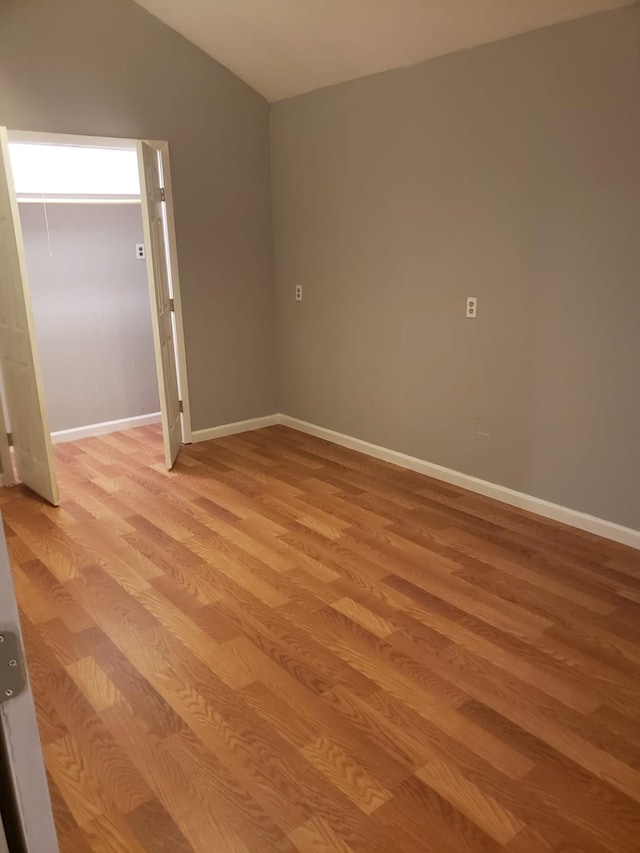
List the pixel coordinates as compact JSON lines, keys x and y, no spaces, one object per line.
{"x":546,"y":509}
{"x":233,"y":429}
{"x":572,"y":517}
{"x":103,"y":428}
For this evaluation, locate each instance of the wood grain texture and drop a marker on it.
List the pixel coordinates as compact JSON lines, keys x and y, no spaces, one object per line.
{"x":285,"y":645}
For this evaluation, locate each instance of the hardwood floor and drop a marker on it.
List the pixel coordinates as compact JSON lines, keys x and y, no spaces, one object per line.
{"x":285,"y":645}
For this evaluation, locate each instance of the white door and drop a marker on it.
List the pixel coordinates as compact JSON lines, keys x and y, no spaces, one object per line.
{"x":24,"y":795}
{"x":160,"y":292}
{"x":18,"y":353}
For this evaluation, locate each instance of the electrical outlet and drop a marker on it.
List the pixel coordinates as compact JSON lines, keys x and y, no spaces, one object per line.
{"x":472,"y":307}
{"x":298,"y":293}
{"x":140,"y":251}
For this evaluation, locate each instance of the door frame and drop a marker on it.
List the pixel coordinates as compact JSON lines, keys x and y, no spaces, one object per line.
{"x":22,"y":760}
{"x":162,"y":146}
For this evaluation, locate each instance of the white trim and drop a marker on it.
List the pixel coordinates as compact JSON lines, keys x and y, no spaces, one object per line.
{"x":232,"y":429}
{"x":103,"y":428}
{"x":572,"y":517}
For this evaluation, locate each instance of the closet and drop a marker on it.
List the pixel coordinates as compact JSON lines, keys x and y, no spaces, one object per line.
{"x":91,"y":336}
{"x":82,"y":231}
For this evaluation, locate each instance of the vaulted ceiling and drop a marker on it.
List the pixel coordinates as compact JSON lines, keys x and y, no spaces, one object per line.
{"x":286,"y":47}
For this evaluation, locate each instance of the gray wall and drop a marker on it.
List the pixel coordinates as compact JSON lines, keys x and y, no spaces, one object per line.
{"x":510,"y":172}
{"x":91,"y":311}
{"x":107,"y":67}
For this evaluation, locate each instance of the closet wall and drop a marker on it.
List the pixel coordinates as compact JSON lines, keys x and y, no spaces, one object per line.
{"x":91,"y":310}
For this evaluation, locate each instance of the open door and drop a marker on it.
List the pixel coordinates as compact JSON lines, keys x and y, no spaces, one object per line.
{"x":152,"y":198}
{"x":25,"y":804}
{"x":18,"y":353}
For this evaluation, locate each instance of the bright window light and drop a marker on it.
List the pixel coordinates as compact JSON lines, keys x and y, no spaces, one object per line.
{"x":68,"y":170}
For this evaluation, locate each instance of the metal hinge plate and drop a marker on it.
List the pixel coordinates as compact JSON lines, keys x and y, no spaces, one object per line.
{"x":10,"y":439}
{"x":13,"y":679}
{"x":162,"y":195}
{"x":171,"y":305}
{"x":180,"y":406}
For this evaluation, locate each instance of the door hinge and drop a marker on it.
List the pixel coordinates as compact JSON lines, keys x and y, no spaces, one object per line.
{"x":171,"y":305}
{"x":162,"y":195}
{"x":13,"y":679}
{"x":180,"y":406}
{"x":10,"y":439}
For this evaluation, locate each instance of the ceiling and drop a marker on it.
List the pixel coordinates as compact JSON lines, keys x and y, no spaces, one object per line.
{"x":286,"y":47}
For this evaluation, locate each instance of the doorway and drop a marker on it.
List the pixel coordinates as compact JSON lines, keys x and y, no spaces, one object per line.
{"x":108,"y":320}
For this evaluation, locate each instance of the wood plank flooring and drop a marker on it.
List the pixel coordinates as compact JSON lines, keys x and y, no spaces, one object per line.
{"x":285,"y":645}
